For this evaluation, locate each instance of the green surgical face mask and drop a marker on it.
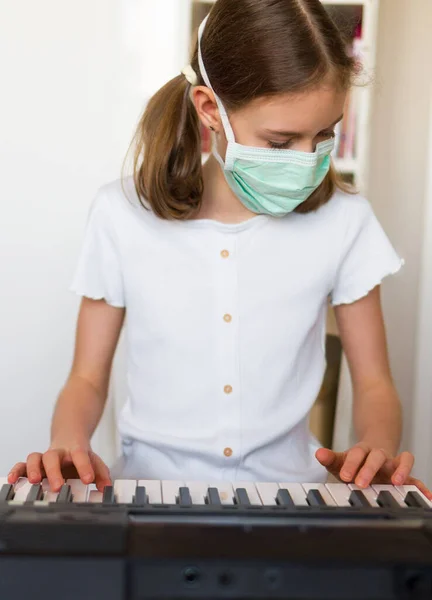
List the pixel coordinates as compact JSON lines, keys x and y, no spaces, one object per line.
{"x":267,"y":181}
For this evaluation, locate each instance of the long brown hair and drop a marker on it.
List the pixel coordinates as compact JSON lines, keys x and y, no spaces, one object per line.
{"x":251,"y":49}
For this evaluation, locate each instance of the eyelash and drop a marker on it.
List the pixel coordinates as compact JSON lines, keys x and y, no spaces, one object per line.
{"x":285,"y":145}
{"x":282,"y":146}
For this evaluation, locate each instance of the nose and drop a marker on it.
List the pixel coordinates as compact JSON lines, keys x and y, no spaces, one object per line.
{"x":306,"y":145}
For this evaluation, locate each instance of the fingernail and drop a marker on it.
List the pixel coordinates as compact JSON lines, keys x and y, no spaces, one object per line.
{"x":58,"y":483}
{"x":346,"y":474}
{"x":361,"y":482}
{"x":33,"y":475}
{"x":88,"y":478}
{"x":399,"y":480}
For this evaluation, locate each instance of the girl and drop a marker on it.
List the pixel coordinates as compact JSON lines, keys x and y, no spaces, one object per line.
{"x":224,"y":273}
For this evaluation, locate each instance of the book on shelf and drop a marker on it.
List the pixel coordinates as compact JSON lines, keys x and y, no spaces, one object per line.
{"x":346,"y":130}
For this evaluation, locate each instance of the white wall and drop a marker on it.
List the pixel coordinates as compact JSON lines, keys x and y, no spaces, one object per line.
{"x":74,"y":78}
{"x":398,"y":187}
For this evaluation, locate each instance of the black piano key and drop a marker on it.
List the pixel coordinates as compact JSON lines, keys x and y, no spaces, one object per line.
{"x":358,"y":499}
{"x":283,"y":498}
{"x":184,"y":497}
{"x":7,"y":492}
{"x":414,"y":500}
{"x":241,"y":497}
{"x":386,"y":500}
{"x":35,"y":493}
{"x":315,"y":499}
{"x":108,"y":495}
{"x":213,"y":497}
{"x":140,"y":495}
{"x":65,"y":494}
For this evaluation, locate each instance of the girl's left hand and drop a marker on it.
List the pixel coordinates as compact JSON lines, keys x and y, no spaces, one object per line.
{"x":365,"y":465}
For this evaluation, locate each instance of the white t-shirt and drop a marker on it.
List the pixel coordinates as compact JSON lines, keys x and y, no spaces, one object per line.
{"x":225,"y":329}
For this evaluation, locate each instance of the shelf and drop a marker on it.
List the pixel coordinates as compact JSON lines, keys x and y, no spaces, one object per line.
{"x":346,"y":166}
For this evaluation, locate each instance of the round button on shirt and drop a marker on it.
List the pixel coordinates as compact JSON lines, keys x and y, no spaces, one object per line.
{"x":225,"y":330}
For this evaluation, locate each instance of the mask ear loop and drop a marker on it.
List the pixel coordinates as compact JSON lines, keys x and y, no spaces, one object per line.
{"x":229,"y":159}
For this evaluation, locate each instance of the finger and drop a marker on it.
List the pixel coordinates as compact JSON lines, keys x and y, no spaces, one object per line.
{"x":103,"y":477}
{"x":401,"y":474}
{"x":34,"y":467}
{"x":51,"y":461}
{"x":375,"y":460}
{"x":354,"y":460}
{"x":82,"y":462}
{"x":17,"y":471}
{"x":331,"y":460}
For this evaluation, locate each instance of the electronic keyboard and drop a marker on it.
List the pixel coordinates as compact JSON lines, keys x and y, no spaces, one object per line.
{"x":144,"y":539}
{"x":197,"y":494}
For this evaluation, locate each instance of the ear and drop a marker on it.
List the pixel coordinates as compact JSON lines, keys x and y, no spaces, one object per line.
{"x":206,"y":107}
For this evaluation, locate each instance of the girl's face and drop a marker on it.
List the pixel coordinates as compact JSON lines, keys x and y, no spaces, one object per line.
{"x":291,"y":121}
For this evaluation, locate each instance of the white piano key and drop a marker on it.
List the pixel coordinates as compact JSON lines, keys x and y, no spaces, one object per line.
{"x":170,"y":491}
{"x":296,"y":492}
{"x":41,"y":503}
{"x":268,"y":493}
{"x":124,"y":490}
{"x":390,"y":488}
{"x":198,"y":491}
{"x":79,"y":490}
{"x":22,"y":489}
{"x":340,"y":493}
{"x":226,"y":491}
{"x":49,"y":496}
{"x":251,"y":491}
{"x":404,"y":489}
{"x":94,"y":496}
{"x":327,"y":497}
{"x":153,"y":490}
{"x":369,"y":492}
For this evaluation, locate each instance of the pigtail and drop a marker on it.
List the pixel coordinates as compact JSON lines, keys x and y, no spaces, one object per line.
{"x":167,"y":158}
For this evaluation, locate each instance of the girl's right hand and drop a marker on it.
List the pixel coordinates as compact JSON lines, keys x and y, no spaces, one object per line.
{"x":61,"y":463}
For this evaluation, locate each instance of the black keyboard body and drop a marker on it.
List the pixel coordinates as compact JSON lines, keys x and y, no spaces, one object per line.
{"x":125,"y":552}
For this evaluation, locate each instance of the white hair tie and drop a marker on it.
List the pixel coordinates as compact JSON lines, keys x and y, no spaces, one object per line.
{"x":190,"y":75}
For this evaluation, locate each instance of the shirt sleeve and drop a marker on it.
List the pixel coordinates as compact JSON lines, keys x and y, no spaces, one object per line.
{"x":98,"y":274}
{"x":367,"y":255}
